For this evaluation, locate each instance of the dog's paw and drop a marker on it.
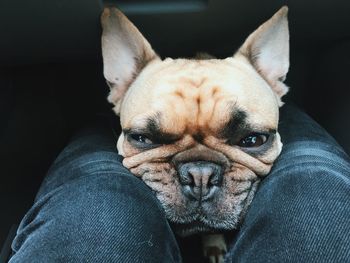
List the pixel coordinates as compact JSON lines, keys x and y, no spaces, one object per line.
{"x":214,"y":247}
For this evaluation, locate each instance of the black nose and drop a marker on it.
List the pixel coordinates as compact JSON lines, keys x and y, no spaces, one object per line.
{"x":200,"y":180}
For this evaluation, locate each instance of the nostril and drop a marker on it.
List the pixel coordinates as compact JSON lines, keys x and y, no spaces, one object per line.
{"x":191,"y":192}
{"x":216,"y":177}
{"x":186,"y":179}
{"x":214,"y":180}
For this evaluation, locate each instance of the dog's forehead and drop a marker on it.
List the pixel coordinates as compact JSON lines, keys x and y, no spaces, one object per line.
{"x":196,"y":93}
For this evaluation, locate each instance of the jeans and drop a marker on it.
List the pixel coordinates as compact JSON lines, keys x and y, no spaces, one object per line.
{"x":91,"y":209}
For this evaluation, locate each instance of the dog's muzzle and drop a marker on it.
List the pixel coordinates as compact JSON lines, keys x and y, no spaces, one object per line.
{"x":201,"y":180}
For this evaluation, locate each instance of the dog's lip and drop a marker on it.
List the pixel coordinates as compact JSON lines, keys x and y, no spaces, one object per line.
{"x":194,"y":227}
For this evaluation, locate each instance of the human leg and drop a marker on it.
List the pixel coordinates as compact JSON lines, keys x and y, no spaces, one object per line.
{"x":91,"y":209}
{"x":301,"y":211}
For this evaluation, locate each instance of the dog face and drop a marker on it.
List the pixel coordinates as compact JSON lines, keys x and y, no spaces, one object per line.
{"x":199,"y":132}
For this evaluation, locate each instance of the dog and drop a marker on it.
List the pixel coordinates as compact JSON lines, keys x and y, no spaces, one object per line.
{"x":202,"y":132}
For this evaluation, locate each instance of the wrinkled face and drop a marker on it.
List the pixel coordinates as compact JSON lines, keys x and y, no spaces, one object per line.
{"x":200,"y":133}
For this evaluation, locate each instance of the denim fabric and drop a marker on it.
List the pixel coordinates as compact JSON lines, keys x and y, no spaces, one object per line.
{"x":91,"y":209}
{"x":301,"y":212}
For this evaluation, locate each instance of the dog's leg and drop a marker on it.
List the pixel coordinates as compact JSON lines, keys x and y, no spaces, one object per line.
{"x":214,"y":247}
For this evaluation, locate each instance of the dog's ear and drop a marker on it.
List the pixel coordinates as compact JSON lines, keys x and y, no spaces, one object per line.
{"x":267,"y":49}
{"x":125,"y":53}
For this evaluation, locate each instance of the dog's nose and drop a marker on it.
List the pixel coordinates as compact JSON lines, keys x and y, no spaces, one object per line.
{"x":200,"y":180}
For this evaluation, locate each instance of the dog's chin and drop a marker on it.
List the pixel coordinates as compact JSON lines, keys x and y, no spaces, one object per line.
{"x":196,"y":227}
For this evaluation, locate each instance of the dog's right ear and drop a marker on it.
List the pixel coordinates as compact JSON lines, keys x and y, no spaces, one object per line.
{"x":125,"y":53}
{"x":267,"y":49}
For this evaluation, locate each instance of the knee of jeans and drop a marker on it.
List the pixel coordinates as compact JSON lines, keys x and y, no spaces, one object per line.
{"x":112,"y":195}
{"x":113,"y":212}
{"x":308,"y":167}
{"x":74,"y":167}
{"x":88,"y":163}
{"x":112,"y":203}
{"x":96,"y":183}
{"x":302,"y":205}
{"x":305,"y":200}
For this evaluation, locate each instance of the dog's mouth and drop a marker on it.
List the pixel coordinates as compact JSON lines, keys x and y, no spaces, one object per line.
{"x":200,"y":196}
{"x":194,"y":227}
{"x":220,"y":214}
{"x":214,"y":216}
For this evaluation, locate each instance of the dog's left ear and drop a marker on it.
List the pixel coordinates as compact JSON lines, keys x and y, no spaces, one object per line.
{"x":267,"y":49}
{"x":125,"y":53}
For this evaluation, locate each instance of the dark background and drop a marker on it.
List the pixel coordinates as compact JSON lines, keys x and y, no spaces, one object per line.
{"x":51,"y":80}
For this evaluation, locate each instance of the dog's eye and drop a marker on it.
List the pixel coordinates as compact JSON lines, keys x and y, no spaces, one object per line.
{"x":140,"y":138}
{"x":253,"y":140}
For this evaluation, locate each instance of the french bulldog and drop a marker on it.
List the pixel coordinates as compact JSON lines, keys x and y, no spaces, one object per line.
{"x":201,"y":132}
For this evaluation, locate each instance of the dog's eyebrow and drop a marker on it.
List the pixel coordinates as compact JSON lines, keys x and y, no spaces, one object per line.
{"x":152,"y":129}
{"x":236,"y":126}
{"x":153,"y":125}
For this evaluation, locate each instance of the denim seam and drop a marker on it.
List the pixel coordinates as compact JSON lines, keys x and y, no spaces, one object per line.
{"x":280,"y":170}
{"x":83,"y":157}
{"x":96,"y":173}
{"x":316,"y":145}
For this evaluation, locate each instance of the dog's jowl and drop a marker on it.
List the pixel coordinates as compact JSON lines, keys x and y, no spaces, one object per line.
{"x":201,"y":133}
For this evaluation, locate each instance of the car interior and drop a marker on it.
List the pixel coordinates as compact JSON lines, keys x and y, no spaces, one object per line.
{"x":52,"y":84}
